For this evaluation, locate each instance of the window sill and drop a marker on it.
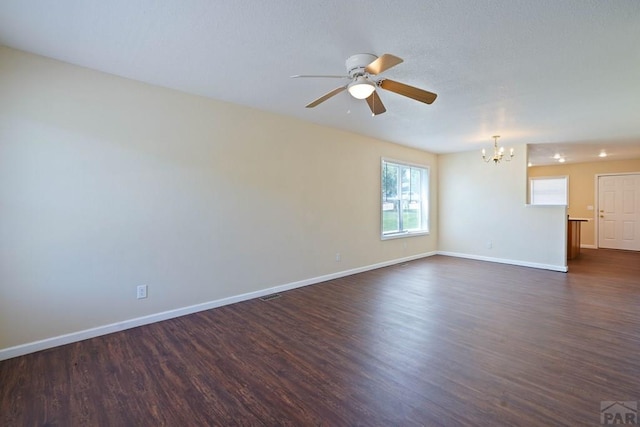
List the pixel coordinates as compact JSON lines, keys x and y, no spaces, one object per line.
{"x":403,"y":235}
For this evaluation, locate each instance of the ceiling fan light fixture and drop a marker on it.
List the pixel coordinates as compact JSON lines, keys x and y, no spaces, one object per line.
{"x":361,"y":88}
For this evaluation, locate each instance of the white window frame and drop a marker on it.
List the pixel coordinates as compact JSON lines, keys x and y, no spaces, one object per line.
{"x":562,"y":201}
{"x":424,"y":200}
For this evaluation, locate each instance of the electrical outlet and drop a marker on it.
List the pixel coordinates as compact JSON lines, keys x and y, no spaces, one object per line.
{"x":142,"y":291}
{"x":489,"y":244}
{"x":338,"y":257}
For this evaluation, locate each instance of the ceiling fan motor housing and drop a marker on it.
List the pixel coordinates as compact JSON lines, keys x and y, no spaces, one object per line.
{"x":356,"y":64}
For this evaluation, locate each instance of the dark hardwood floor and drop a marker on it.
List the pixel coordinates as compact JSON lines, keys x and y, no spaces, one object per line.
{"x":438,"y":341}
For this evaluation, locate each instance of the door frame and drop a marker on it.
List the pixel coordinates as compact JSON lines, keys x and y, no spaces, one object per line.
{"x":597,"y":201}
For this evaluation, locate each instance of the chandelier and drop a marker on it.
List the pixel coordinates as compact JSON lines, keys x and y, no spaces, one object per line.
{"x":498,"y":153}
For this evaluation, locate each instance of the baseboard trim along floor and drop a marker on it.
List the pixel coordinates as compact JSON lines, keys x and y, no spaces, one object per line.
{"x":47,"y":343}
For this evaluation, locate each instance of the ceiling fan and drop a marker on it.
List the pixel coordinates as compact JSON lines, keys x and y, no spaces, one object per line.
{"x":362,"y":70}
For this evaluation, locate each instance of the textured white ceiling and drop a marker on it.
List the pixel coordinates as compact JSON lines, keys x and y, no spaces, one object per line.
{"x":534,"y":72}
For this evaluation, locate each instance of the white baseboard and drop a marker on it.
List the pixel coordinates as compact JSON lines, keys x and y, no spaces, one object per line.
{"x":32,"y":347}
{"x":561,"y":268}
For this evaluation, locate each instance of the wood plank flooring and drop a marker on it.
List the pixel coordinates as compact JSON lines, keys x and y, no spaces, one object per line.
{"x":437,"y":341}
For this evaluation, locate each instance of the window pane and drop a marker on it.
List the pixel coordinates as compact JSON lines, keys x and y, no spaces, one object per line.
{"x":411,"y":219}
{"x":390,"y":182}
{"x":549,"y":191}
{"x":390,"y":221}
{"x":390,"y":211}
{"x":412,"y":206}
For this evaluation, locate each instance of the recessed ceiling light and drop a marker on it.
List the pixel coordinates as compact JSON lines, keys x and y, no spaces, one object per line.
{"x":602,"y":154}
{"x":556,"y":156}
{"x":561,"y":159}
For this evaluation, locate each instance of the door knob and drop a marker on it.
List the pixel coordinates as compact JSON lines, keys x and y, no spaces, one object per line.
{"x":601,"y":216}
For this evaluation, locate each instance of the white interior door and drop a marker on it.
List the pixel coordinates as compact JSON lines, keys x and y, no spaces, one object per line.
{"x":619,"y":212}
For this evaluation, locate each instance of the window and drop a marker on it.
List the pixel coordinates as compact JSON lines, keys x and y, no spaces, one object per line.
{"x":405,"y":199}
{"x":549,"y":190}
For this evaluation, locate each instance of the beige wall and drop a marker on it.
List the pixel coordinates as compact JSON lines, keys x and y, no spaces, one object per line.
{"x":582,"y":188}
{"x":484,"y":203}
{"x":107,"y":183}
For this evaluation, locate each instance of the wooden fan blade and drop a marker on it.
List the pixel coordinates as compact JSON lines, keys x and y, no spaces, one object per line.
{"x":321,"y":76}
{"x":383,"y":63}
{"x":375,"y":104}
{"x":409,"y":91}
{"x":326,"y":96}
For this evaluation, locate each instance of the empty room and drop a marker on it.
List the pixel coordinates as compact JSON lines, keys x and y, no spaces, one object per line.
{"x":411,"y":213}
